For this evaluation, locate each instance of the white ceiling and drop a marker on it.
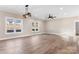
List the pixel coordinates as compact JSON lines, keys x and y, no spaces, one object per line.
{"x":42,"y":11}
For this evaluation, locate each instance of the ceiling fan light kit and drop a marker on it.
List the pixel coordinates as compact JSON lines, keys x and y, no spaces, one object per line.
{"x":51,"y":17}
{"x":27,"y":15}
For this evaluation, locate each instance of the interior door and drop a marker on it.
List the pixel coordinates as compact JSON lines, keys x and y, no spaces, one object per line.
{"x":77,"y":28}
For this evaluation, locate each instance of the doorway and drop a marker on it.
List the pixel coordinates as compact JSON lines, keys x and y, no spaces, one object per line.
{"x":77,"y":28}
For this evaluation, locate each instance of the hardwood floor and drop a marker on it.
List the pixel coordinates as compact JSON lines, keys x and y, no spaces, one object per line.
{"x":39,"y":44}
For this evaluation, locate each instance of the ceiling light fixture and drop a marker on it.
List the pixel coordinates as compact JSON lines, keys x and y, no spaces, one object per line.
{"x":27,"y":13}
{"x":65,"y":13}
{"x":61,"y":8}
{"x":51,"y":17}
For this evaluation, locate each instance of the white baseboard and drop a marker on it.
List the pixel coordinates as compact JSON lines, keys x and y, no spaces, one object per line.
{"x":20,"y":36}
{"x":65,"y":36}
{"x":62,"y":35}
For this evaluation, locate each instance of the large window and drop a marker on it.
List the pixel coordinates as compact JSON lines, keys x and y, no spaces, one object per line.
{"x":13,"y":25}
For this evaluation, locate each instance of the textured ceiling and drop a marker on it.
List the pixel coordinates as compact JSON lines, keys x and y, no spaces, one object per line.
{"x":42,"y":11}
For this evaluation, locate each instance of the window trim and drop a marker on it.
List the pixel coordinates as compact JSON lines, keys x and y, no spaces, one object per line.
{"x":13,"y":29}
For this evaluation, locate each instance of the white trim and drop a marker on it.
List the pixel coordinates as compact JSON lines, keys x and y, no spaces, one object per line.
{"x":75,"y":27}
{"x":20,"y":36}
{"x":66,"y":37}
{"x":14,"y":30}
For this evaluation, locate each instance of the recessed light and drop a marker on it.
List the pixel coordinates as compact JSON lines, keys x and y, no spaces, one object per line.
{"x":61,"y":8}
{"x":65,"y":13}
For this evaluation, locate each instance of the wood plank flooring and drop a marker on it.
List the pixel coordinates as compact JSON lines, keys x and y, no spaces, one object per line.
{"x":39,"y":44}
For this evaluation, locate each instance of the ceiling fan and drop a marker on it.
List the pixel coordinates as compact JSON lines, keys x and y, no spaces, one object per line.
{"x":51,"y":17}
{"x":27,"y":13}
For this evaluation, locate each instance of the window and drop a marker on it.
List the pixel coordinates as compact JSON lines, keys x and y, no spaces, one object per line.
{"x":36,"y":29}
{"x":36,"y":24}
{"x":33,"y":29}
{"x":13,"y":25}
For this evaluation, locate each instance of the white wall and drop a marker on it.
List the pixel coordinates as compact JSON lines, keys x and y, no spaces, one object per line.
{"x":27,"y":26}
{"x":63,"y":26}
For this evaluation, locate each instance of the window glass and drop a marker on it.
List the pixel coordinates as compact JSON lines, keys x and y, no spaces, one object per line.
{"x":13,"y":25}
